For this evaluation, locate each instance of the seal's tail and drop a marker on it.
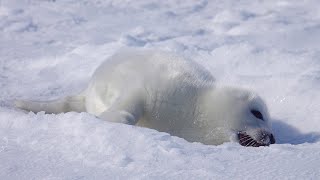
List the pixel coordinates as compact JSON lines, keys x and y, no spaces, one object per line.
{"x":66,"y":104}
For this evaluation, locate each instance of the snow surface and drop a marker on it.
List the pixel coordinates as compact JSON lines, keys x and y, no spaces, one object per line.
{"x":50,"y":48}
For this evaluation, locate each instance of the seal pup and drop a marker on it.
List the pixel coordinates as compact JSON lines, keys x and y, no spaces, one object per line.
{"x":169,"y":93}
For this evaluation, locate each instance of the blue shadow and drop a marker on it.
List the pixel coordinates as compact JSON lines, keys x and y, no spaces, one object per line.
{"x":287,"y":134}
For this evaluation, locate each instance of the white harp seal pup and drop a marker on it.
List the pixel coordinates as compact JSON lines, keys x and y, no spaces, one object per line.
{"x":169,"y":93}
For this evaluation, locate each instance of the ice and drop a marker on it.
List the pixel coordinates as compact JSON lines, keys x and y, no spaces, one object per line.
{"x":49,"y":49}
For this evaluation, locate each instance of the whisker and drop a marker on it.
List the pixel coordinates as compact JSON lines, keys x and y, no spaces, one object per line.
{"x":245,"y":138}
{"x":252,"y":143}
{"x":249,"y":138}
{"x":252,"y":140}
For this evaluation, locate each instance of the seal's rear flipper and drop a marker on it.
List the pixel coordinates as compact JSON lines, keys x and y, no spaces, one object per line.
{"x":66,"y":104}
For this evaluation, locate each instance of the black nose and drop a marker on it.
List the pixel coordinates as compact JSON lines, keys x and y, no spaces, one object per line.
{"x":272,"y":140}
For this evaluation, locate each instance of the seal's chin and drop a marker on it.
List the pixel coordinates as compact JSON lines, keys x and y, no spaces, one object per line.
{"x":247,"y":140}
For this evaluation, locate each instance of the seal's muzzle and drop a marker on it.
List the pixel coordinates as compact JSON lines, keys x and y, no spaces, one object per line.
{"x":265,"y":139}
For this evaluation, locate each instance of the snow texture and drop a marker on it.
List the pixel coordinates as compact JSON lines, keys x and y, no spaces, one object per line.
{"x":50,"y":48}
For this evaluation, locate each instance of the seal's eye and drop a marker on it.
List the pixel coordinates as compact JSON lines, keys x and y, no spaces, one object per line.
{"x":257,"y":114}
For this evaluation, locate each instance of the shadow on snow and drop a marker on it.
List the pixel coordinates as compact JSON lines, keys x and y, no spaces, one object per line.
{"x":287,"y":134}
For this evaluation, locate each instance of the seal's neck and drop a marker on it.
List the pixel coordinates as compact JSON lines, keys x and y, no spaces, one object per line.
{"x":214,"y":104}
{"x":214,"y":115}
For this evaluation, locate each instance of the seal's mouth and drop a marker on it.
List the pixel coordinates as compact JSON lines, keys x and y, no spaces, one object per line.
{"x":247,"y":140}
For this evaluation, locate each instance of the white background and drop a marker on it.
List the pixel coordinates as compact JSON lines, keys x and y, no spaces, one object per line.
{"x":50,"y":48}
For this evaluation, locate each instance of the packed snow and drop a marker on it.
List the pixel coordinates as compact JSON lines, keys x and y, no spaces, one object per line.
{"x":50,"y":48}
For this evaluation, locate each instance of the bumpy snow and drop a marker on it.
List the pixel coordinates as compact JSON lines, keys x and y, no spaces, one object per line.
{"x":50,"y":48}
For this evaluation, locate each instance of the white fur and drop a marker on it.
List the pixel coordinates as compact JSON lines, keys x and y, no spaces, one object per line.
{"x":168,"y":93}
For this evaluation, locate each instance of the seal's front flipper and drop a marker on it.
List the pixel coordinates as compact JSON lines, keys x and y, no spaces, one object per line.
{"x":119,"y":117}
{"x":127,"y":110}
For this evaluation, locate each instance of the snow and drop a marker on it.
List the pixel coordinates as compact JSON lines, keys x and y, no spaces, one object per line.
{"x":50,"y":48}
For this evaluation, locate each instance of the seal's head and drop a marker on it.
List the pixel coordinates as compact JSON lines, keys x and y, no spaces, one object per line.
{"x":245,"y":115}
{"x":259,"y":133}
